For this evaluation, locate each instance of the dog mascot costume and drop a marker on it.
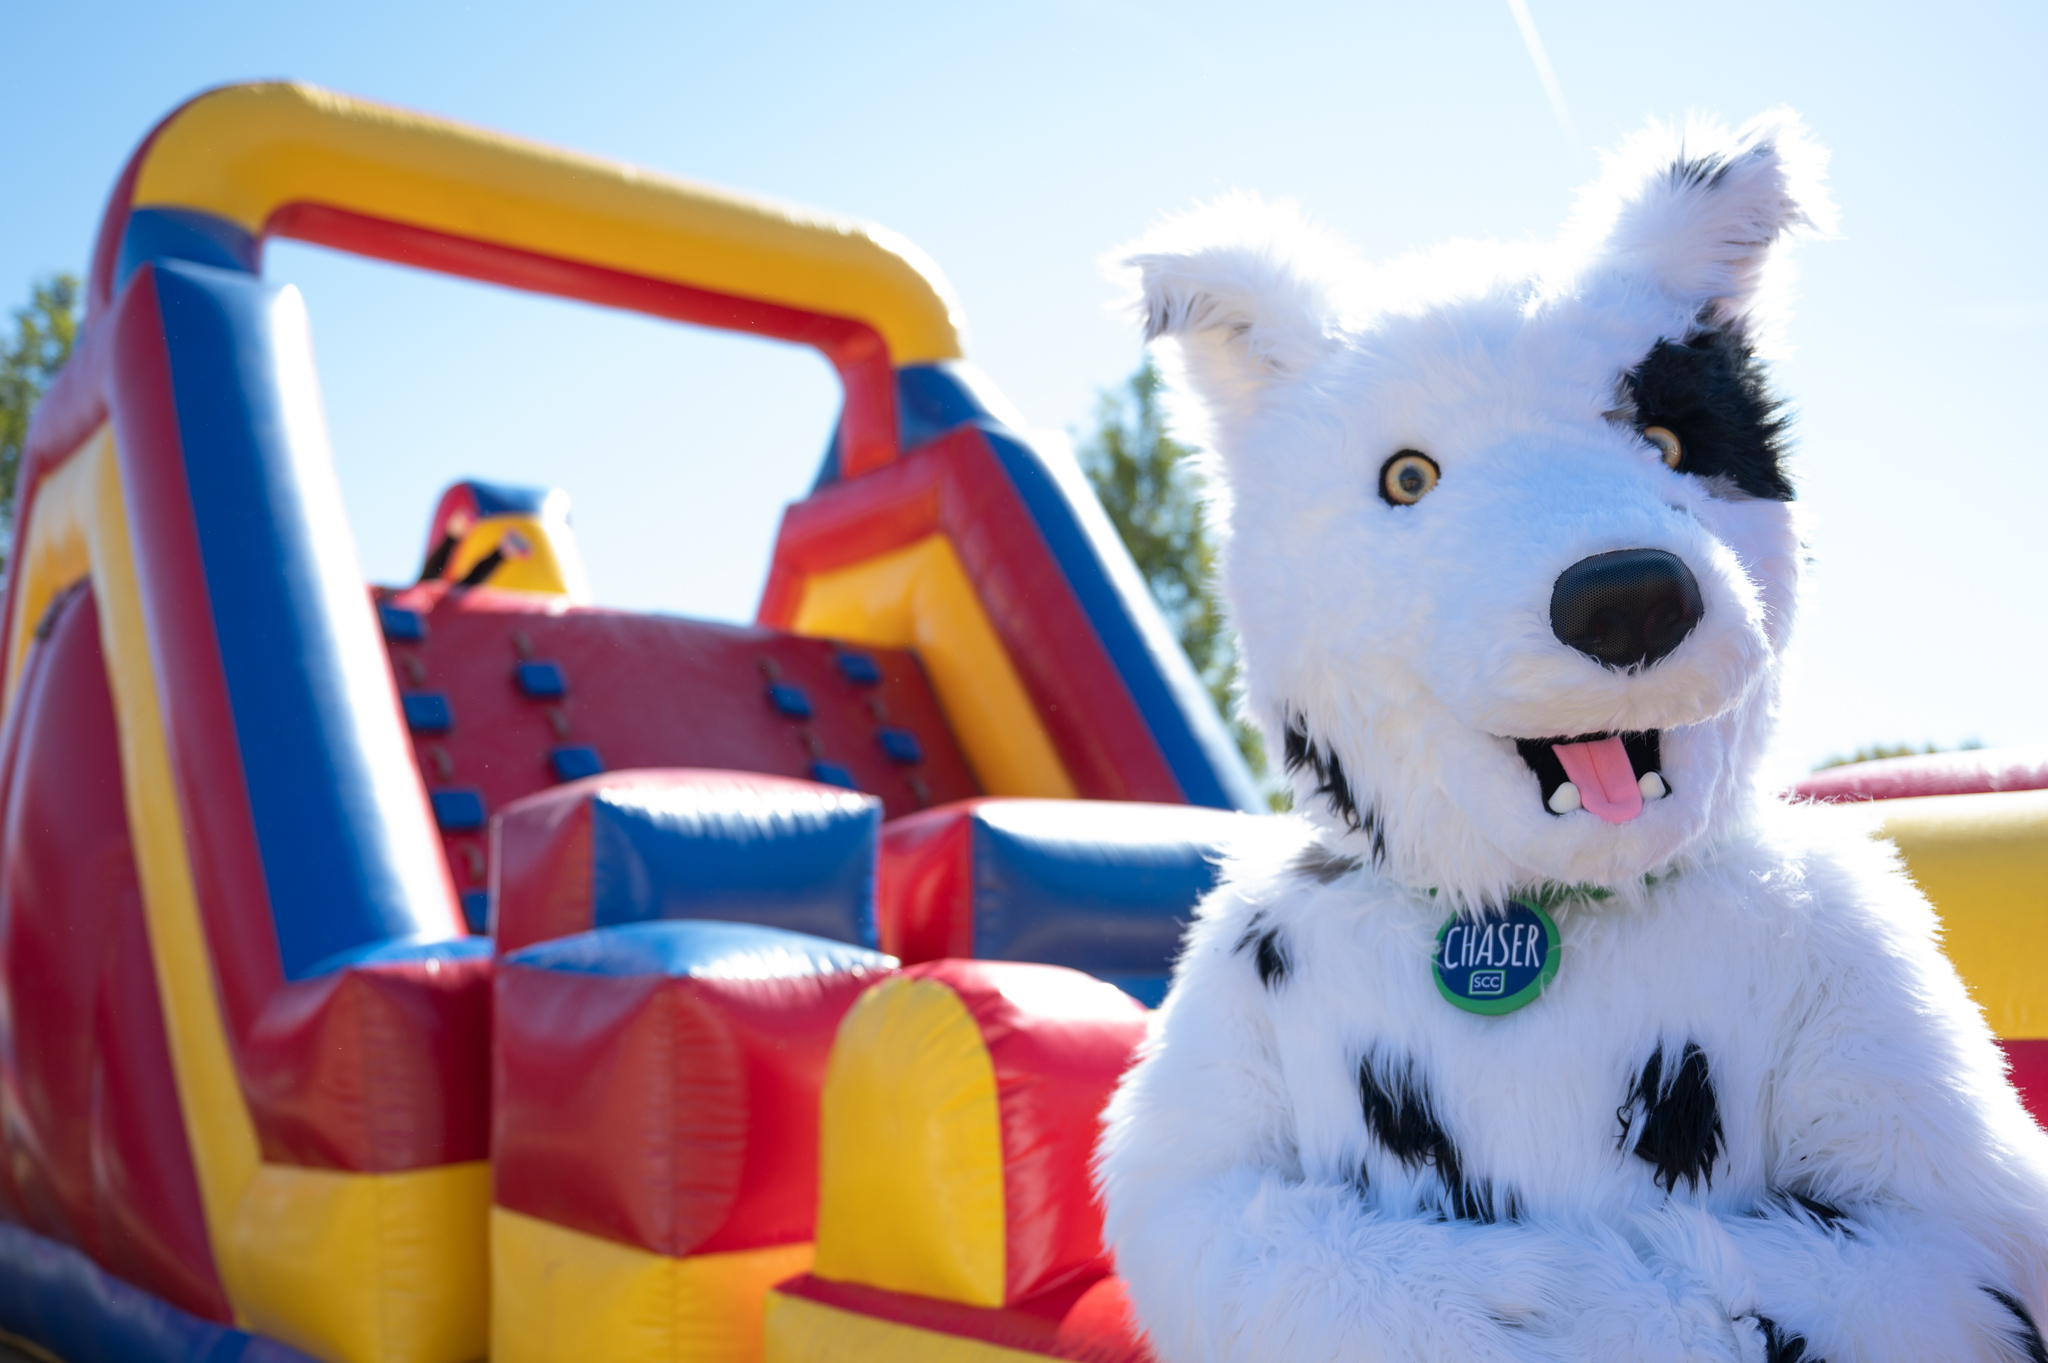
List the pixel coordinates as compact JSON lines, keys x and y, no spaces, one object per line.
{"x":1552,"y":1036}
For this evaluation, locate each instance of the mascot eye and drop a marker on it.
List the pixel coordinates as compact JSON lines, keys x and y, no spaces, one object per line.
{"x":1666,"y":443}
{"x":1407,"y":478}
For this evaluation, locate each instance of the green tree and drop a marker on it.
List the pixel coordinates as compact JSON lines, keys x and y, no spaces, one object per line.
{"x":44,"y":333}
{"x":1146,"y":482}
{"x":1877,"y":752}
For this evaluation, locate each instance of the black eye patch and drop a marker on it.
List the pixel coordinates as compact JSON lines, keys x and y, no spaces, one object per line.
{"x":1709,"y":390}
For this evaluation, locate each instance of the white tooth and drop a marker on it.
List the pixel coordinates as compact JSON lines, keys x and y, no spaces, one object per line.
{"x":1653,"y":786}
{"x":1564,"y":799}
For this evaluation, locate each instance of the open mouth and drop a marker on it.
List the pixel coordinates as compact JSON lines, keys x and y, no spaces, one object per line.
{"x":1609,"y":775}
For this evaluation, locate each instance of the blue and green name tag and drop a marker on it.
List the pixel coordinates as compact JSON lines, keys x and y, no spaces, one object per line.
{"x":1498,"y":959}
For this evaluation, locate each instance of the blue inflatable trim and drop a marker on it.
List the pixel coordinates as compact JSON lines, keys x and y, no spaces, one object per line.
{"x":319,"y":770}
{"x":161,"y":234}
{"x":56,"y":1298}
{"x":698,"y":947}
{"x":802,"y":861}
{"x":506,"y":499}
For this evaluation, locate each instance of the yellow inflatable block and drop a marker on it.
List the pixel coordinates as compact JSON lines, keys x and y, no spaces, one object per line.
{"x":559,"y":1295}
{"x":1983,"y":860}
{"x":910,"y":1175}
{"x":367,"y":1268}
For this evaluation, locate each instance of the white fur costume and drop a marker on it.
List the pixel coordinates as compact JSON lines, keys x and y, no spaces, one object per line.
{"x":1840,"y":1169}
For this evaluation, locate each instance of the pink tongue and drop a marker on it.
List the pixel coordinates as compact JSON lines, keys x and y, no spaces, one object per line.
{"x":1606,"y":782}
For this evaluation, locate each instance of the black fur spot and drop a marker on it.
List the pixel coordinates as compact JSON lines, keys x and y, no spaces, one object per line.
{"x":1272,"y":958}
{"x":1710,"y":391}
{"x":1681,"y":1119}
{"x":1398,"y":1114}
{"x":1333,"y":786}
{"x":1321,"y":865}
{"x":1698,"y":170}
{"x":1269,"y":952}
{"x":2030,"y":1337}
{"x":1780,"y":1347}
{"x":1827,"y":1213}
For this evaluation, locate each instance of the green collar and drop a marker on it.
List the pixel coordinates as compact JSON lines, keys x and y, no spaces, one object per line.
{"x":1550,"y":894}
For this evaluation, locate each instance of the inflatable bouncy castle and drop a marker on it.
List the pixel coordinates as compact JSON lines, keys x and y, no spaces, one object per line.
{"x":460,"y":969}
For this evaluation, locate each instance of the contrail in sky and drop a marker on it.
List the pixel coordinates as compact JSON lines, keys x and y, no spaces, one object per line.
{"x":1534,"y":42}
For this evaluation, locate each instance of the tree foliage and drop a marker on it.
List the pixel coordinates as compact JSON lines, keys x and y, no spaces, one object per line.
{"x":44,"y":332}
{"x":1877,"y":752}
{"x":1147,"y":484}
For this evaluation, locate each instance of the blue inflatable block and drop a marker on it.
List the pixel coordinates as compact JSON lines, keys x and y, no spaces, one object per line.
{"x":786,"y":856}
{"x":1102,"y":886}
{"x":476,"y":910}
{"x":54,"y":1297}
{"x":401,"y":950}
{"x":678,"y":949}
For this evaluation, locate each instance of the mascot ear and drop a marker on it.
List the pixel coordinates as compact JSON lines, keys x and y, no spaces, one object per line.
{"x":1240,"y":284}
{"x":1698,"y":212}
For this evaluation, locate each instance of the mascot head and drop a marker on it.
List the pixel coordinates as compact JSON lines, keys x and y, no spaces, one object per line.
{"x":1506,"y":530}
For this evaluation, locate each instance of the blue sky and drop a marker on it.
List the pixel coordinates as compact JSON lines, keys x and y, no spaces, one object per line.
{"x":1016,"y":143}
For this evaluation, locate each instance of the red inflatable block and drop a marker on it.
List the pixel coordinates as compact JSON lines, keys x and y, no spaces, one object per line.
{"x":2027,"y":1064}
{"x":1089,"y":1321}
{"x":1972,"y":772}
{"x":378,"y":1065}
{"x":657,"y":1084}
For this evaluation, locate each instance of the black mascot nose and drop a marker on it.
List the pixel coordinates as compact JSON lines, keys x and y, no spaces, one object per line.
{"x":1626,"y":609}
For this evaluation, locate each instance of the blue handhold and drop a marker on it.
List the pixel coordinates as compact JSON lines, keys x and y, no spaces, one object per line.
{"x":859,"y":669}
{"x":832,"y":774}
{"x":459,"y":811}
{"x":575,"y":762}
{"x":541,"y":681}
{"x":427,"y":712}
{"x":901,"y":745}
{"x":402,"y":625}
{"x":790,"y":700}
